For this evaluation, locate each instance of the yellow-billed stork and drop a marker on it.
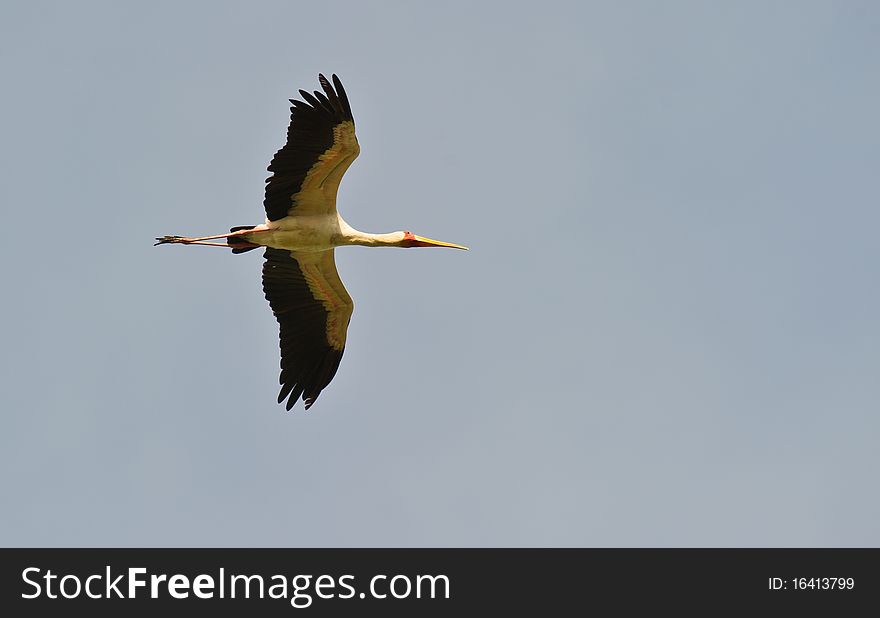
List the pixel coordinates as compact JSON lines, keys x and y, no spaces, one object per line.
{"x":302,"y":229}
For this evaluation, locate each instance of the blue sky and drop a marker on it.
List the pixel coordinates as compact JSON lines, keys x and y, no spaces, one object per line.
{"x":665,"y":332}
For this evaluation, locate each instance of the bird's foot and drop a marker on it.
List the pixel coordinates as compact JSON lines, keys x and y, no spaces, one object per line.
{"x":169,"y":239}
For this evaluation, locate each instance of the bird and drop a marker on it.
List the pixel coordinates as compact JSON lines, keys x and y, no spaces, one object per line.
{"x":302,"y":228}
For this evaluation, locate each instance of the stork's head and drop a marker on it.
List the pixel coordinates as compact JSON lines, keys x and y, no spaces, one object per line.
{"x":411,"y":240}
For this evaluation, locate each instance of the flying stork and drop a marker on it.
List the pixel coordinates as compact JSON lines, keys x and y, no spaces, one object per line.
{"x":302,"y":229}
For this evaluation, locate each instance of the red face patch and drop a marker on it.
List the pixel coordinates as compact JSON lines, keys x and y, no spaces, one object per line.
{"x":409,"y":236}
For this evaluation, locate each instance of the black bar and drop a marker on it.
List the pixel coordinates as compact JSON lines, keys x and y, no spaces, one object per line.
{"x":498,"y":580}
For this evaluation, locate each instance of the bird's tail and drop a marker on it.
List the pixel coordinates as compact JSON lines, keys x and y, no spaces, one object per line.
{"x":238,"y":244}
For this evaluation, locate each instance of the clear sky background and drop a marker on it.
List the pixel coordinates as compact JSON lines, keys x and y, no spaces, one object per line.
{"x":665,"y":333}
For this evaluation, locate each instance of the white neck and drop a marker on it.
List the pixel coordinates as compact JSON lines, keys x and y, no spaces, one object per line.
{"x":352,"y":236}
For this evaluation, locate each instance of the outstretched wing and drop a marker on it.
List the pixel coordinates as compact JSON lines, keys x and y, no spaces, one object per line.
{"x":313,"y":310}
{"x":321,"y":144}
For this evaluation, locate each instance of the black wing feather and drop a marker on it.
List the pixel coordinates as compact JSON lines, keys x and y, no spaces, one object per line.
{"x":325,"y":103}
{"x":309,"y":135}
{"x":308,"y":361}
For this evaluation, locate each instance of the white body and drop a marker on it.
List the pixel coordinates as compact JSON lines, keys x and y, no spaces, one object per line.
{"x":315,"y":233}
